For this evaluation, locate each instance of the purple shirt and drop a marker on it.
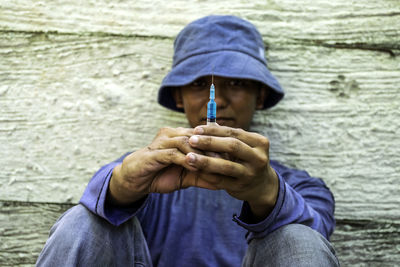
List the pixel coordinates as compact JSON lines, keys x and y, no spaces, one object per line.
{"x":194,"y":227}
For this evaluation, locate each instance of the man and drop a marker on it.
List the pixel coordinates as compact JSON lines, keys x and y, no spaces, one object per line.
{"x":171,"y":203}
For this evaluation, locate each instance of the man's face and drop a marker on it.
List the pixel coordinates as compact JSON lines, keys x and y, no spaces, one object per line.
{"x":236,"y":99}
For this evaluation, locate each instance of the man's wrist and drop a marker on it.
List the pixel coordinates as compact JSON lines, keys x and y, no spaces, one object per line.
{"x":118,"y":194}
{"x":264,"y":205}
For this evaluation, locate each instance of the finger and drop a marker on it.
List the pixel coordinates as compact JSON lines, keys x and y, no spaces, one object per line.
{"x":213,"y":154}
{"x":217,"y":155}
{"x":250,"y":138}
{"x":230,"y":145}
{"x":166,"y":180}
{"x":165,"y":157}
{"x":217,"y":165}
{"x":172,"y":132}
{"x":216,"y":180}
{"x":180,"y":142}
{"x":193,"y":179}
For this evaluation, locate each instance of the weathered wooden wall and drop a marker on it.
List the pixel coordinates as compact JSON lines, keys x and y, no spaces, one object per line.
{"x":78,"y":85}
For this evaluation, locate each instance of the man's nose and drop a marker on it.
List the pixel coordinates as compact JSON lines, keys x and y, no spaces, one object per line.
{"x":221,"y":96}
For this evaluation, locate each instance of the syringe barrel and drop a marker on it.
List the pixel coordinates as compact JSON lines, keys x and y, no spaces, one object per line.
{"x":211,"y":110}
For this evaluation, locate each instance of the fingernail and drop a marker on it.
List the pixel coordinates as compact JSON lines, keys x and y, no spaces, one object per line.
{"x":194,"y":139}
{"x":198,"y":130}
{"x":192,"y":158}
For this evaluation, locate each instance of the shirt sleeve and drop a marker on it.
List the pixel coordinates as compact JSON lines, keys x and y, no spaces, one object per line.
{"x":94,"y":197}
{"x":301,"y":199}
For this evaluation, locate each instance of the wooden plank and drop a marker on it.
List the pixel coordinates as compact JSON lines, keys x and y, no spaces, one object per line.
{"x":24,"y":229}
{"x":363,"y":24}
{"x":84,"y":101}
{"x":70,"y":86}
{"x":78,"y":84}
{"x":367,"y":243}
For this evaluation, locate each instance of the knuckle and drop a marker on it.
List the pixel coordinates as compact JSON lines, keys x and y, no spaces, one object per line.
{"x":240,"y":131}
{"x":250,"y":174}
{"x":149,"y":148}
{"x":228,"y":169}
{"x":262,"y":159}
{"x":157,"y":143}
{"x":234,"y":146}
{"x":184,"y":140}
{"x":232,"y":132}
{"x":264,"y":142}
{"x":172,"y":152}
{"x":206,"y":140}
{"x":203,"y":162}
{"x":165,"y":130}
{"x":161,"y":131}
{"x":225,"y":167}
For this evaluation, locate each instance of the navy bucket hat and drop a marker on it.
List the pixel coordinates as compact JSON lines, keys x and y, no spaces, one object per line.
{"x":225,"y":46}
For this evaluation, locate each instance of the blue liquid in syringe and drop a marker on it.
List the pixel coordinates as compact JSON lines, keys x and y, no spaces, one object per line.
{"x":212,"y":106}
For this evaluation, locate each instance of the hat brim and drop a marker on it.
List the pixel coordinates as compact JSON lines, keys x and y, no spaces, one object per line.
{"x":225,"y":63}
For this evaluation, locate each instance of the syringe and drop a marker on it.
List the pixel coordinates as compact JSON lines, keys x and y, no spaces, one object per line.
{"x":212,"y":107}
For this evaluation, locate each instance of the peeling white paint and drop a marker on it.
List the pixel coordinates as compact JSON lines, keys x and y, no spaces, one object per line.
{"x":336,"y":121}
{"x":73,"y":100}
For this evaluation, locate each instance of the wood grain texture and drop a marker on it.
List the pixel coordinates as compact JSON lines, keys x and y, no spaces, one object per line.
{"x":367,"y":24}
{"x":24,"y":228}
{"x":70,"y":103}
{"x":73,"y":103}
{"x":367,"y":243}
{"x":78,"y":87}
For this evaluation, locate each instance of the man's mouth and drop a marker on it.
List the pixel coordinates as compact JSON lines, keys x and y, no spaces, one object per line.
{"x":223,"y":121}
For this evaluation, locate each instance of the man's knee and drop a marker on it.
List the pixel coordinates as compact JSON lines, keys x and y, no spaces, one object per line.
{"x":80,"y":238}
{"x":291,"y":245}
{"x":71,"y":239}
{"x":76,"y":219}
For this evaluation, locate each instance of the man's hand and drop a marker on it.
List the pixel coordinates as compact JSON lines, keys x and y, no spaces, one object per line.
{"x":160,"y":167}
{"x":245,"y":173}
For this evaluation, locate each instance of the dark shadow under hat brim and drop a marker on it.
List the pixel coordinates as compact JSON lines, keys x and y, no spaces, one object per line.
{"x":225,"y":63}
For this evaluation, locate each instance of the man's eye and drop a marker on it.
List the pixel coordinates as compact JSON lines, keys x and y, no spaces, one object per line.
{"x":237,"y":83}
{"x":199,"y":83}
